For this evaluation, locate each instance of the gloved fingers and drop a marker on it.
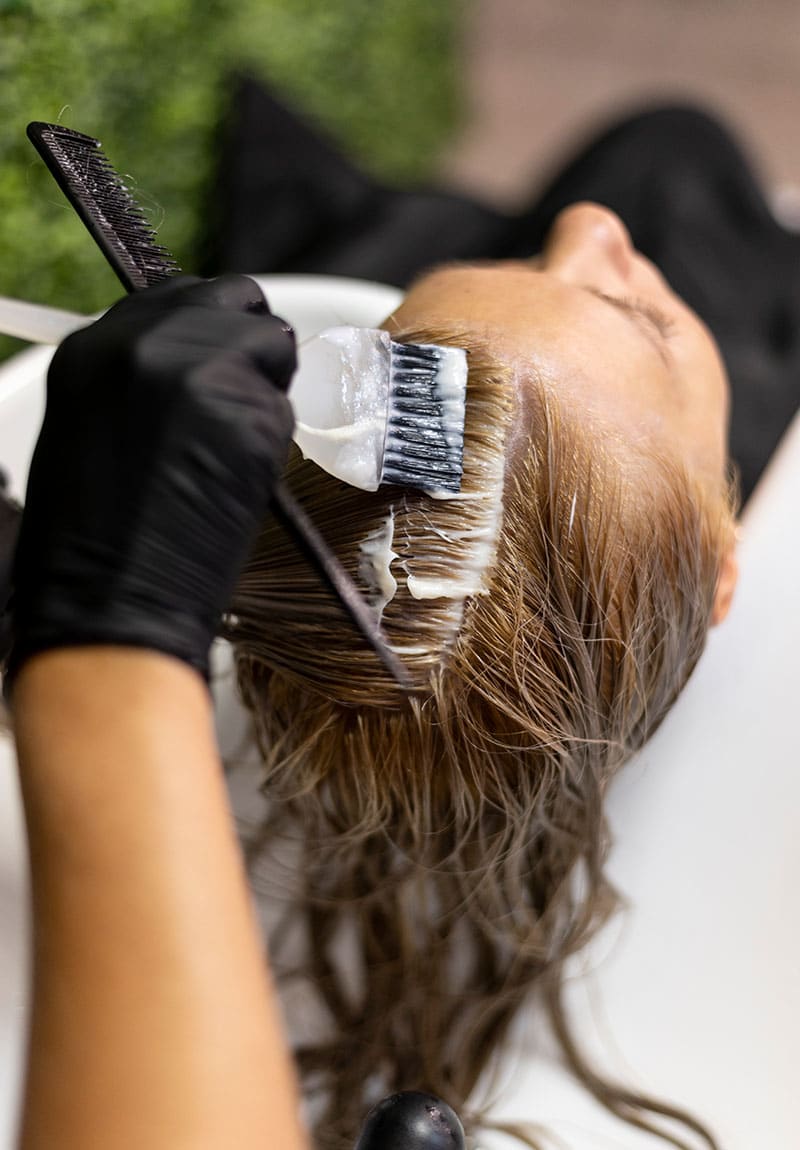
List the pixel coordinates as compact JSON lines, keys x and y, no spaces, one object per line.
{"x":163,"y":291}
{"x":233,"y":291}
{"x":253,"y":431}
{"x":230,"y":290}
{"x":188,"y":335}
{"x":271,"y":347}
{"x":123,"y":321}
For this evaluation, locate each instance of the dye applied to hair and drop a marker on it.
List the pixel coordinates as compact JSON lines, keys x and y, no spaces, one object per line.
{"x":472,"y":553}
{"x":475,"y":547}
{"x":375,"y":563}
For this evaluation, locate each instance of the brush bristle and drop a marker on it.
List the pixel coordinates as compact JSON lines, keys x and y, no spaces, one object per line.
{"x":425,"y":425}
{"x":99,"y":195}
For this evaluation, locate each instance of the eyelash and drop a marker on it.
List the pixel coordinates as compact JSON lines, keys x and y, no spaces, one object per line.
{"x":664,"y":325}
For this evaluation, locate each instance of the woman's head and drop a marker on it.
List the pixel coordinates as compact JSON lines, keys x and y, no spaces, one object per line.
{"x":593,"y":323}
{"x":460,"y":833}
{"x":592,"y":319}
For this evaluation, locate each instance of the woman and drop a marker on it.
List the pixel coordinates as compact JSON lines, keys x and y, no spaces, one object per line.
{"x":454,"y":844}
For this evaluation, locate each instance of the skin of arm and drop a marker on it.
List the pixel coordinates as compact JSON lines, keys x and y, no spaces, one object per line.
{"x":154,"y":1022}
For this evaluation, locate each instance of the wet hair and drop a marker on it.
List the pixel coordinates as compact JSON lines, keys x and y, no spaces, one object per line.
{"x":446,"y":851}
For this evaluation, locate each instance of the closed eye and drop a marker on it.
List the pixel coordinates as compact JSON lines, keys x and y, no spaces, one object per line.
{"x":665,"y":324}
{"x":662,"y":326}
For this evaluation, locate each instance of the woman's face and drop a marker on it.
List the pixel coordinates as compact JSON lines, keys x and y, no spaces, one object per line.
{"x":595,"y":321}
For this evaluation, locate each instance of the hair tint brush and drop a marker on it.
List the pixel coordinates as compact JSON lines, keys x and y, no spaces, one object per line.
{"x":118,"y":225}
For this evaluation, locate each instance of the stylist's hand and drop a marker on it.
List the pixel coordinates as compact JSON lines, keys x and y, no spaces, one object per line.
{"x":165,"y":431}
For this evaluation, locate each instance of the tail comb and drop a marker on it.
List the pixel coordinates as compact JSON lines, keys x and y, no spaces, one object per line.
{"x":103,"y":201}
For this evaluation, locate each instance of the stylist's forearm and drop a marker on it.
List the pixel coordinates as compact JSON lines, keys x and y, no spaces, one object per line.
{"x":154,"y":1023}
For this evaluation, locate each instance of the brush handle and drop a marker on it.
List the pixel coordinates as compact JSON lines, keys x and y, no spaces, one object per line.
{"x":38,"y":323}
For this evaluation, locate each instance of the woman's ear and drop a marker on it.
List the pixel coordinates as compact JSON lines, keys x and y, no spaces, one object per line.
{"x":726,"y":585}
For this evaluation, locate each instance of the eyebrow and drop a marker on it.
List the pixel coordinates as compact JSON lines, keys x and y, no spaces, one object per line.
{"x":636,"y":314}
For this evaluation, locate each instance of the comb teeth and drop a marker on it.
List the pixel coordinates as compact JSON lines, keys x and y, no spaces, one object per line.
{"x":102,"y":200}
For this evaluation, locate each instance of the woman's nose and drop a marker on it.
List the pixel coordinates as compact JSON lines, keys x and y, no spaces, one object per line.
{"x":588,"y":241}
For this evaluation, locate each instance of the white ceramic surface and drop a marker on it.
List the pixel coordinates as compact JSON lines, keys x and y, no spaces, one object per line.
{"x":695,"y":993}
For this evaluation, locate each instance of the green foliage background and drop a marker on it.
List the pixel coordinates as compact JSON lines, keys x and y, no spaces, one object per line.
{"x":148,"y":79}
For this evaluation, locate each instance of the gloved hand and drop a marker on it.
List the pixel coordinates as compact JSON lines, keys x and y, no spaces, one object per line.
{"x":164,"y":434}
{"x":10,"y":522}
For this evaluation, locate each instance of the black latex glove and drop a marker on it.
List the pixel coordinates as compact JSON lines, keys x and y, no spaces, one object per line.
{"x":164,"y":434}
{"x":10,"y":521}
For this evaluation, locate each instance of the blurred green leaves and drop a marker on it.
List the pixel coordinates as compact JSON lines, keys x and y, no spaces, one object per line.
{"x":149,"y":80}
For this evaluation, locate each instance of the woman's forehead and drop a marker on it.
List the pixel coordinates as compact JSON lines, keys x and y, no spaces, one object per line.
{"x":608,"y":356}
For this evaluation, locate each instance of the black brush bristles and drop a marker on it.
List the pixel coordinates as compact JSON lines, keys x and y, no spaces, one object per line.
{"x":104,"y":203}
{"x":424,"y":445}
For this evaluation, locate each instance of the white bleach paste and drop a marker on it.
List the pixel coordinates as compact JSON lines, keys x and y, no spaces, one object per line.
{"x":377,"y":557}
{"x":375,"y":563}
{"x":477,"y":547}
{"x":418,"y":650}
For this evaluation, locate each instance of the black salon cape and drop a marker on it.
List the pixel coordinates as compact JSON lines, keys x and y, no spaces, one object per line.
{"x":286,"y":200}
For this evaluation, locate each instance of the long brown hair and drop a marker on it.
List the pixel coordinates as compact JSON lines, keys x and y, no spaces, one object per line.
{"x":449,"y":848}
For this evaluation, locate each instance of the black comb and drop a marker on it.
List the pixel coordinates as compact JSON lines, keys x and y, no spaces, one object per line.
{"x":120,"y":229}
{"x":104,"y":203}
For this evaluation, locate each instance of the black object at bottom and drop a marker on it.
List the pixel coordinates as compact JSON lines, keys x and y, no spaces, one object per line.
{"x":412,"y":1121}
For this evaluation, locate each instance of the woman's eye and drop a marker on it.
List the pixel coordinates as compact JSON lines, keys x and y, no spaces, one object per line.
{"x":665,"y":325}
